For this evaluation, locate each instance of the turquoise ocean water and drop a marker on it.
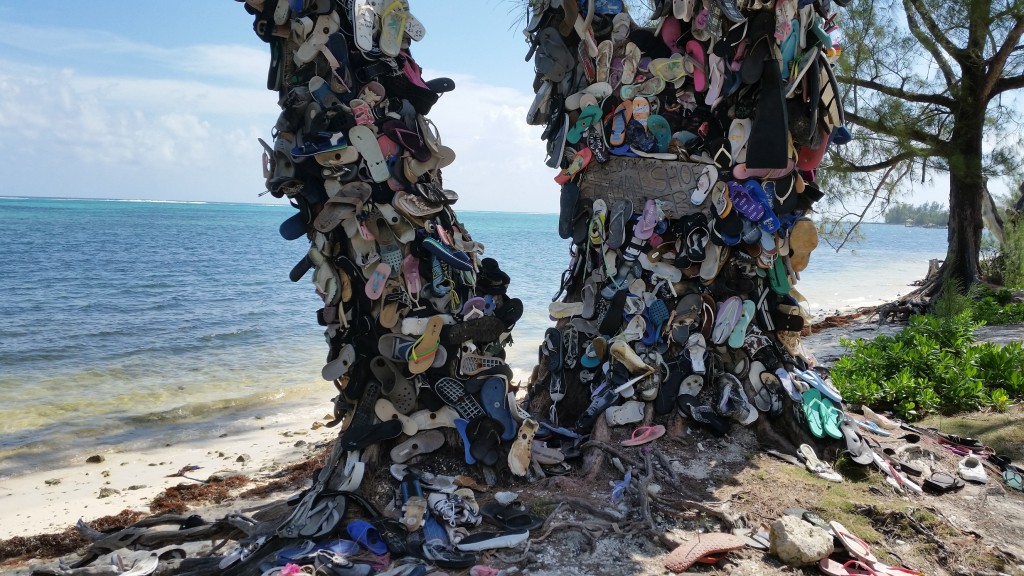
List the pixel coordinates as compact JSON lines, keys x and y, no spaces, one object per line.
{"x":122,"y":321}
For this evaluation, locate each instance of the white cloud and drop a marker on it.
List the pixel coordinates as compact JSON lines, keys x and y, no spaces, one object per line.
{"x":228,"y":63}
{"x":193,"y":135}
{"x":500,"y":162}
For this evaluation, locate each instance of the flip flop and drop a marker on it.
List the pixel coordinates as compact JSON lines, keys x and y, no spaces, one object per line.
{"x":492,"y":397}
{"x":358,"y":437}
{"x":484,"y":440}
{"x":942,"y":482}
{"x":695,"y":51}
{"x":621,"y":212}
{"x":385,"y":411}
{"x":850,"y":568}
{"x":365,"y":141}
{"x":423,"y":352}
{"x":392,"y":24}
{"x":423,"y":442}
{"x":857,"y":548}
{"x":740,"y":331}
{"x":645,"y":226}
{"x":620,"y":119}
{"x":589,"y":116}
{"x":726,"y":319}
{"x":708,"y":543}
{"x":512,"y":516}
{"x":644,"y":434}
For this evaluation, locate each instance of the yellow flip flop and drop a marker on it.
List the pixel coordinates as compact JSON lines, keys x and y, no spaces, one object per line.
{"x":421,"y":356}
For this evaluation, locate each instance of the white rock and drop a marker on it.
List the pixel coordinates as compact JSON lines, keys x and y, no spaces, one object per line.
{"x":799,"y":543}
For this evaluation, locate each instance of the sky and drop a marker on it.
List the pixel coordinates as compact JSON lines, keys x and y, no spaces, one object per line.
{"x":166,"y":100}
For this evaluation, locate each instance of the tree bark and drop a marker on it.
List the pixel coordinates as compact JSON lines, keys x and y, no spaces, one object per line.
{"x":966,"y":191}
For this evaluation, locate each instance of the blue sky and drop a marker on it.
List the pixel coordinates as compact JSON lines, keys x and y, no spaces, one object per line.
{"x":165,"y":100}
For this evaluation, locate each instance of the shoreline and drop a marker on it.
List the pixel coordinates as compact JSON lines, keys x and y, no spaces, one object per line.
{"x":32,"y":503}
{"x":51,"y":500}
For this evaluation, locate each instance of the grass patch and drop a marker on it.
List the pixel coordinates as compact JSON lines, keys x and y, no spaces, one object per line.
{"x":1003,"y":432}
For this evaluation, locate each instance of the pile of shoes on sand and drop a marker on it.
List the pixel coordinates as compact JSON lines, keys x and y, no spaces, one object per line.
{"x":415,"y":318}
{"x":685,"y":298}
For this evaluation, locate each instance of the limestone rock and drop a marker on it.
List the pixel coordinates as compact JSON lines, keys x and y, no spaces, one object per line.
{"x":799,"y":543}
{"x":108,"y":492}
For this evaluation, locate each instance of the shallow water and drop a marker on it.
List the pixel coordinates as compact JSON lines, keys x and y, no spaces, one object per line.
{"x":128,"y":321}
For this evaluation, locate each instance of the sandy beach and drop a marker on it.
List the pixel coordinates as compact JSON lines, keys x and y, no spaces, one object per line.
{"x":54,"y":499}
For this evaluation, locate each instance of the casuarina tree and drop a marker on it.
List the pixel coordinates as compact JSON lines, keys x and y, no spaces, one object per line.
{"x":931,"y":90}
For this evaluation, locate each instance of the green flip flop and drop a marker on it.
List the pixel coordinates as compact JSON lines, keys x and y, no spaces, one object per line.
{"x":814,"y":422}
{"x":778,"y":279}
{"x":829,"y":416}
{"x":588,"y":117}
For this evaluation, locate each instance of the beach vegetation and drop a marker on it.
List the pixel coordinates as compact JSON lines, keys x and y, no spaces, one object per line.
{"x":1011,"y":256}
{"x":935,"y":365}
{"x":931,"y":90}
{"x":1011,"y":253}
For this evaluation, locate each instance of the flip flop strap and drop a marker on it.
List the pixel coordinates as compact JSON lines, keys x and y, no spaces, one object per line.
{"x":414,"y":357}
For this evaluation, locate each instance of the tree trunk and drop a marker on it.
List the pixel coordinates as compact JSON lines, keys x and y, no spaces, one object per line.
{"x":966,"y":195}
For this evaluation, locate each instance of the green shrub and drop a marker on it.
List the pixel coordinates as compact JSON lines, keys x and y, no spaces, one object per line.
{"x":1012,"y":253}
{"x":932,"y":365}
{"x":994,"y":307}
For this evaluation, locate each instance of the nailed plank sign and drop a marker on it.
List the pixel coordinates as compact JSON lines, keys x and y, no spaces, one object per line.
{"x":637,"y":179}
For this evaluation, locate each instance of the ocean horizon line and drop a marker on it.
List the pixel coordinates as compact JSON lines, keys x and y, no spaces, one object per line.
{"x":223,"y":203}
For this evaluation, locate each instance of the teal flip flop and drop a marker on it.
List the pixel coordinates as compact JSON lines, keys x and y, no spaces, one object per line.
{"x":740,"y":331}
{"x":814,"y":422}
{"x":658,"y":126}
{"x":789,"y":48}
{"x":588,"y":117}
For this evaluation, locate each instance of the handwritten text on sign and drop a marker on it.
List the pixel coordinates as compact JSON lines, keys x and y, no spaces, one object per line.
{"x":637,"y":179}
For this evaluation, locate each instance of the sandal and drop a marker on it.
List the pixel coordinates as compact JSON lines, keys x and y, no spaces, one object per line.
{"x":513,"y":516}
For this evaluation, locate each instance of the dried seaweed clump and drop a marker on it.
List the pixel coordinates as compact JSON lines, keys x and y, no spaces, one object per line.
{"x":179,"y":499}
{"x":57,"y":544}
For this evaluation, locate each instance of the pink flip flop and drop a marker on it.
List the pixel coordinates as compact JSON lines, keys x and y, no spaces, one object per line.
{"x":851,"y":568}
{"x":671,"y":31}
{"x":411,"y":271}
{"x":644,"y":434}
{"x":855,"y":546}
{"x":700,"y":78}
{"x":375,"y":285}
{"x":648,"y":221}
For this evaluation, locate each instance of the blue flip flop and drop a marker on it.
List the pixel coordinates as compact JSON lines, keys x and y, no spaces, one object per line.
{"x":494,"y":400}
{"x":294,"y":227}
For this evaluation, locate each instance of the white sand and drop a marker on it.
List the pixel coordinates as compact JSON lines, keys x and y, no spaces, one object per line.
{"x":29,"y":506}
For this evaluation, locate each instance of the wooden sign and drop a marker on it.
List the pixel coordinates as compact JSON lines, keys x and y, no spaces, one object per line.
{"x":638,"y":179}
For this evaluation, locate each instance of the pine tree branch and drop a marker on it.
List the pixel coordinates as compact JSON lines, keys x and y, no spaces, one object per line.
{"x":935,"y":31}
{"x":1007,"y":84}
{"x":997,"y":63}
{"x":846,"y":166}
{"x":937,"y":99}
{"x":876,"y":125}
{"x":929,"y":43}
